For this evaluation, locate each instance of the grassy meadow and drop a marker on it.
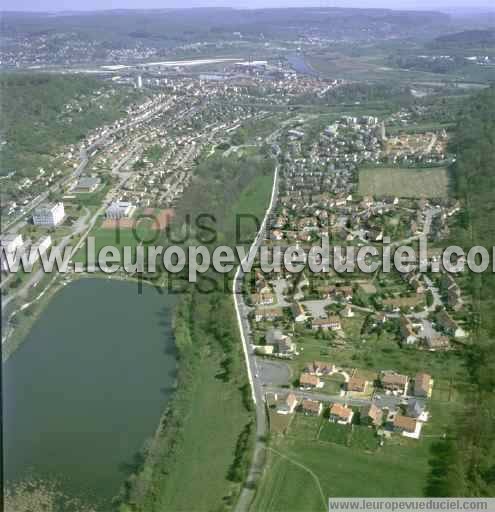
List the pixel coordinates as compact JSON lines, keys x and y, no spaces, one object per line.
{"x":404,"y":182}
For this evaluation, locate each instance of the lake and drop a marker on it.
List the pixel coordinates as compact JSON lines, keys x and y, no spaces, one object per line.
{"x":88,"y":385}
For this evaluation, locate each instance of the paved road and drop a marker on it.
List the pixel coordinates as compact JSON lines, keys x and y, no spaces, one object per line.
{"x":79,"y":227}
{"x":383,"y":401}
{"x":20,"y":220}
{"x":257,"y":463}
{"x":273,"y":373}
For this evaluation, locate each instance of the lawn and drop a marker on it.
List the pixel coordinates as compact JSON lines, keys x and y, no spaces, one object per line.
{"x":356,"y":436}
{"x":305,"y":427}
{"x":333,"y":383}
{"x":334,"y":433}
{"x":404,"y":182}
{"x":279,"y":423}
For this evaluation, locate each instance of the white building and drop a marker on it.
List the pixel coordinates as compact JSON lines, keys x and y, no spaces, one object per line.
{"x":49,"y":215}
{"x":120,"y":210}
{"x":9,"y":243}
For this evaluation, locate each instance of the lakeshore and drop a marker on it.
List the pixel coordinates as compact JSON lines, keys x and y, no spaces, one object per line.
{"x":77,"y":408}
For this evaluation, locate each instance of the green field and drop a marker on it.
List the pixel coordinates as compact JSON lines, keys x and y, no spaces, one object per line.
{"x":118,"y":238}
{"x":340,"y":471}
{"x":215,"y":416}
{"x":404,"y":182}
{"x":347,"y":462}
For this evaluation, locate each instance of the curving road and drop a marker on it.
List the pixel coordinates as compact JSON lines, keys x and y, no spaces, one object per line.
{"x":257,"y":463}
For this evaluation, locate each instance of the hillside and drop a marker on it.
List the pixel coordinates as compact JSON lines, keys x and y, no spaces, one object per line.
{"x":167,"y":27}
{"x":467,"y":39}
{"x":41,"y":113}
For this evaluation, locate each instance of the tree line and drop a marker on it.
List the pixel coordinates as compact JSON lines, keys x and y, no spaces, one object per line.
{"x":464,"y":463}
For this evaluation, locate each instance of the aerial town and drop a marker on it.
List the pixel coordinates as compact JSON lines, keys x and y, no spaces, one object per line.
{"x":144,"y":162}
{"x":294,"y":316}
{"x":138,"y":136}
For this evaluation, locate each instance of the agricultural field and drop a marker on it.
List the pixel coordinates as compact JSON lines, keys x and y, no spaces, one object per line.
{"x":404,"y":182}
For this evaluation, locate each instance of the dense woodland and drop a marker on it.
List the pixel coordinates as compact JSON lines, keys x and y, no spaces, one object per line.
{"x":464,"y":464}
{"x":36,"y":122}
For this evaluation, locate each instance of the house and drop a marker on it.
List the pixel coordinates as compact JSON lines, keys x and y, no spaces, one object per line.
{"x":407,"y":333}
{"x":327,"y":292}
{"x":298,"y":312}
{"x":261,"y":285}
{"x":86,"y":184}
{"x":416,"y":409}
{"x":120,"y":210}
{"x":344,"y":293}
{"x":283,"y":342}
{"x":381,"y":318}
{"x":437,"y":343}
{"x":273,"y":336}
{"x":423,"y":385}
{"x":404,"y":424}
{"x":320,"y":368}
{"x":357,"y":384}
{"x":313,"y":407}
{"x":287,"y":404}
{"x":264,"y":350}
{"x":453,"y":291}
{"x":332,"y":322}
{"x":449,"y":325}
{"x":395,"y":382}
{"x":263,"y":299}
{"x":286,"y":346}
{"x":340,"y":414}
{"x":268,"y":314}
{"x":49,"y":215}
{"x":310,"y":381}
{"x":371,"y":415}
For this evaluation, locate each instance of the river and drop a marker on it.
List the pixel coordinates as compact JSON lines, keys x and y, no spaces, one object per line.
{"x":86,"y":388}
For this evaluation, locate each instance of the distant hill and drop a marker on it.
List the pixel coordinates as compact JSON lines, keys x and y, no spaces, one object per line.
{"x":468,"y":38}
{"x":178,"y":26}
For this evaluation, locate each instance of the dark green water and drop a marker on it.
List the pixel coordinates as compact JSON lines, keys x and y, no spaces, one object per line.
{"x":88,"y":385}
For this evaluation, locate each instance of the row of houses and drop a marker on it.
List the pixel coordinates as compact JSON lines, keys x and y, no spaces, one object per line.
{"x":406,"y":421}
{"x":392,"y":382}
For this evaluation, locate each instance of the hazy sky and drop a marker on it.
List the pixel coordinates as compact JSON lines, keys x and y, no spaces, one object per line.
{"x":57,"y":5}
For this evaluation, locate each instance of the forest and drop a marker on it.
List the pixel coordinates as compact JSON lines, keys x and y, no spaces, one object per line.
{"x":464,"y":463}
{"x":42,"y":112}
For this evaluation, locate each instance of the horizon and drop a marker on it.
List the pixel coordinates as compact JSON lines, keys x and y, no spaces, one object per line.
{"x":60,"y":6}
